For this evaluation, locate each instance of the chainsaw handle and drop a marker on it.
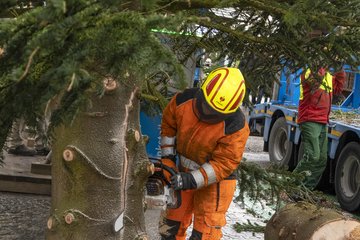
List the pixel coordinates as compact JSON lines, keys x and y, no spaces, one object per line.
{"x":169,"y":169}
{"x":158,"y":164}
{"x":162,"y":166}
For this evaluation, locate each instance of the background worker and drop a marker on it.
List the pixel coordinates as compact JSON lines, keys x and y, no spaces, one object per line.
{"x":206,"y":129}
{"x":17,"y":144}
{"x":316,"y":92}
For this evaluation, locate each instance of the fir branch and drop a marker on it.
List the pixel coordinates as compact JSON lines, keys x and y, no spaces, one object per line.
{"x":273,"y":185}
{"x":249,"y":227}
{"x":149,"y":97}
{"x":237,"y":34}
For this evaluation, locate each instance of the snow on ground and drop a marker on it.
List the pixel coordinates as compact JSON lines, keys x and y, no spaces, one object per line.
{"x":238,"y":213}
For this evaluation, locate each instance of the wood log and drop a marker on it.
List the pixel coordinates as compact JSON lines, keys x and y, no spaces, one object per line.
{"x":305,"y":221}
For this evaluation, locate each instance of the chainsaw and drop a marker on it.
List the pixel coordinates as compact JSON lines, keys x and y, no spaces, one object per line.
{"x":159,"y":194}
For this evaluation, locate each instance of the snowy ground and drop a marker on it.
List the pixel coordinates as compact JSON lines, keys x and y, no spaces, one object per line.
{"x":238,"y":214}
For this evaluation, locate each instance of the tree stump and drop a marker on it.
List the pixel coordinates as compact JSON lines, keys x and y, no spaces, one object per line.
{"x":305,"y":221}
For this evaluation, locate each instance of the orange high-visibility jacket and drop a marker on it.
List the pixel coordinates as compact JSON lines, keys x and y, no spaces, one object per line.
{"x":221,"y":144}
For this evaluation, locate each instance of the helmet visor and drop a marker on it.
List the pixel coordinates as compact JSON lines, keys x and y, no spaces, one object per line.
{"x":205,"y":112}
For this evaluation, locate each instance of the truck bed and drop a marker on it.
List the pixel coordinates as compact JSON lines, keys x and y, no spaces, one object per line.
{"x":351,"y":118}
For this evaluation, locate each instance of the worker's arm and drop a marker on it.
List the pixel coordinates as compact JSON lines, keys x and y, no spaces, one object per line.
{"x":225,"y":160}
{"x":168,"y":129}
{"x":338,"y":82}
{"x":311,"y":80}
{"x":228,"y":154}
{"x":168,"y":137}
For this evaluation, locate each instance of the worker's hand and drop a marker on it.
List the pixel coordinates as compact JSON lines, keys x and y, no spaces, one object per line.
{"x":171,"y":164}
{"x":183,"y":181}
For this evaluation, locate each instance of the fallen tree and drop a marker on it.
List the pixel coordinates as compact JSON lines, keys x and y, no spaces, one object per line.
{"x":305,"y":221}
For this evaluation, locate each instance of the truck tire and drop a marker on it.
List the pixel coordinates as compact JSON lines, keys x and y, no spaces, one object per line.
{"x":347,"y":177}
{"x":280,"y":149}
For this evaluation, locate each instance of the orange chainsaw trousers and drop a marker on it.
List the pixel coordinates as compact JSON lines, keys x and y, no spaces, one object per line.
{"x":207,"y":206}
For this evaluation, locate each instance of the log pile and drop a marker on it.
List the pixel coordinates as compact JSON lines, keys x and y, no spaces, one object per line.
{"x":305,"y":221}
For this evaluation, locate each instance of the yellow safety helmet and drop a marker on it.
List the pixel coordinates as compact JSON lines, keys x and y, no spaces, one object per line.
{"x":224,"y":89}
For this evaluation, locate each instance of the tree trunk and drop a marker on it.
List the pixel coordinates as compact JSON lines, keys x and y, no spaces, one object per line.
{"x":99,"y":168}
{"x":304,"y":221}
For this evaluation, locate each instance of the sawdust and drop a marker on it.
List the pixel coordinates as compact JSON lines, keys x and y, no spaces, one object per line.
{"x":355,"y":234}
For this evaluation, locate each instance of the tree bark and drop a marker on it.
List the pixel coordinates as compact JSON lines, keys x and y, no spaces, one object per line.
{"x":304,"y":221}
{"x":99,"y":169}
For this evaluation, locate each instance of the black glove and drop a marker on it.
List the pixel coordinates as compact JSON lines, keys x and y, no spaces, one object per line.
{"x":183,"y":181}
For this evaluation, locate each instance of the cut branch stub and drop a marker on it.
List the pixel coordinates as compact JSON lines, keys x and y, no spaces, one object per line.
{"x":51,"y":222}
{"x":137,"y":135}
{"x":69,"y":218}
{"x":110,"y":84}
{"x":151,"y":168}
{"x":133,"y":137}
{"x":68,"y":155}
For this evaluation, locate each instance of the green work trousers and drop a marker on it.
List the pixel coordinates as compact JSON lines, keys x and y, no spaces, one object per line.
{"x":313,"y":162}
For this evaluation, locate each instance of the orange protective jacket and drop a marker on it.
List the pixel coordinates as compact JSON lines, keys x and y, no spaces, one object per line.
{"x":221,"y":144}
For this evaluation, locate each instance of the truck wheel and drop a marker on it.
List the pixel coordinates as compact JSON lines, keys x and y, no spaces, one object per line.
{"x":280,"y":149}
{"x":347,"y":177}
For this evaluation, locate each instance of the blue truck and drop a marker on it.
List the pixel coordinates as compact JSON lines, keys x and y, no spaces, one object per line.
{"x":276,"y":122}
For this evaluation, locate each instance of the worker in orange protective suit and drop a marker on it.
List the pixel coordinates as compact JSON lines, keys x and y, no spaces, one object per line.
{"x":203,"y":135}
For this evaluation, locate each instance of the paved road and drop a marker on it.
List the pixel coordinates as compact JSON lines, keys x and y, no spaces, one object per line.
{"x":23,"y":216}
